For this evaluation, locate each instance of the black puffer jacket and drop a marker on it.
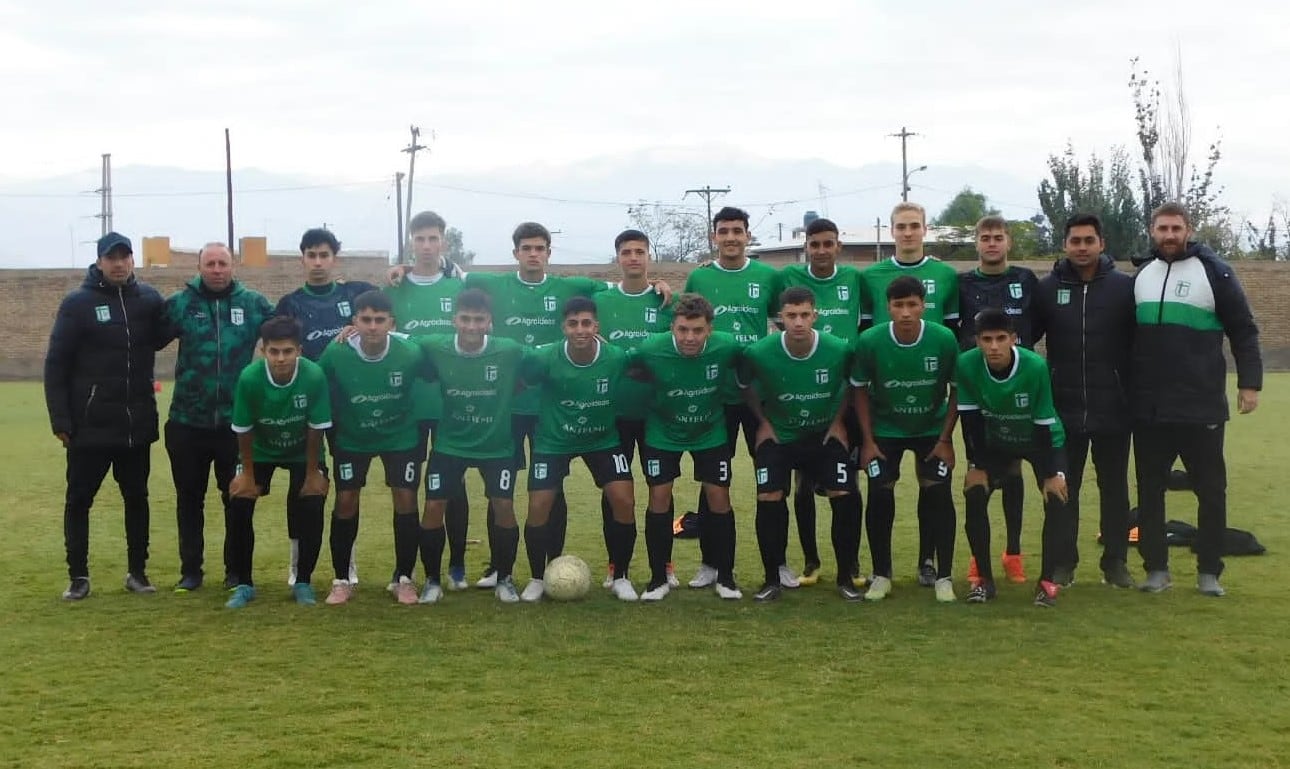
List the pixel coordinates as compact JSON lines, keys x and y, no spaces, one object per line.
{"x":1089,"y":328}
{"x":98,"y":371}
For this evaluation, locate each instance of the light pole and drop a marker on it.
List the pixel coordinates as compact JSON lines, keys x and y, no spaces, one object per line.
{"x":904,"y":187}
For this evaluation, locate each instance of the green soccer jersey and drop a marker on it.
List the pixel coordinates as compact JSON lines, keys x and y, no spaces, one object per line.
{"x":744,"y":299}
{"x":1012,"y":406}
{"x":837,"y":298}
{"x":940,"y":280}
{"x":579,"y":411}
{"x":908,"y":384}
{"x":530,"y":313}
{"x":626,"y":320}
{"x":800,"y":396}
{"x":424,"y":306}
{"x":371,"y":398}
{"x":279,"y":415}
{"x":478,"y":391}
{"x":687,"y":410}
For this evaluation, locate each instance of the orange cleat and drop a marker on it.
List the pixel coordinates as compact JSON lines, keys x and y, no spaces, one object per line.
{"x":974,"y":576}
{"x":1012,"y":566}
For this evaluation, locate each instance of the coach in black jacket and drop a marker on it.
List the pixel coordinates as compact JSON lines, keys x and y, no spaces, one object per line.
{"x":1084,"y":309}
{"x":1187,"y":300}
{"x":99,"y":392}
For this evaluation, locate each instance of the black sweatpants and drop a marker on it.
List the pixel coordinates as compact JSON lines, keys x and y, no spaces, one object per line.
{"x":86,"y":469}
{"x":1156,"y":446}
{"x":193,"y":450}
{"x":304,"y":518}
{"x":1111,"y":460}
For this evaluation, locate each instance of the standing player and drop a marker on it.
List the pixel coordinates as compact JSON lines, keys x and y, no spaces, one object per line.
{"x":422,"y":303}
{"x":836,"y":288}
{"x":1005,"y":400}
{"x":689,"y":369}
{"x":742,"y":292}
{"x":902,"y":375}
{"x":281,"y":406}
{"x":909,"y":229}
{"x":995,"y":283}
{"x":371,"y":376}
{"x":801,"y":375}
{"x":477,"y":375}
{"x":324,"y":305}
{"x":580,"y":380}
{"x":628,"y":313}
{"x":1084,"y":310}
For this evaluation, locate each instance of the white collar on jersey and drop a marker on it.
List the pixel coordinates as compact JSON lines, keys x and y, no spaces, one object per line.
{"x":891,"y":329}
{"x":269,"y":375}
{"x":456,"y":345}
{"x":356,"y":341}
{"x":747,"y":261}
{"x":1016,"y":361}
{"x":619,"y":285}
{"x":683,"y":355}
{"x":909,"y":266}
{"x":527,"y":283}
{"x":817,"y":277}
{"x":581,"y":365}
{"x":815,"y":345}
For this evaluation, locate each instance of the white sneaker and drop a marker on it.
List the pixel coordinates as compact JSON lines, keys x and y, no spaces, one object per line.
{"x":457,"y":578}
{"x":879,"y":588}
{"x":533,"y":591}
{"x":729,"y":593}
{"x":609,"y":577}
{"x":489,"y":580}
{"x":705,"y":577}
{"x":672,"y":580}
{"x":505,"y":590}
{"x":623,"y":590}
{"x":787,"y":579}
{"x":353,"y":567}
{"x":657,"y":594}
{"x":431,"y":593}
{"x":945,"y":590}
{"x":295,"y":561}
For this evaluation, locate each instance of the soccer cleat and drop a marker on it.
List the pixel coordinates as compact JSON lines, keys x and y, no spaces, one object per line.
{"x":850,"y":593}
{"x":810,"y":574}
{"x":295,"y":560}
{"x":533,"y":591}
{"x":974,"y":575}
{"x":1046,"y":594}
{"x":1207,"y":584}
{"x":1064,"y":576}
{"x":945,"y":590}
{"x":705,"y":577}
{"x":926,"y":574}
{"x":505,"y":590}
{"x":672,"y":580}
{"x":340,"y":593}
{"x":1156,"y":582}
{"x":188,"y":583}
{"x":657,"y":592}
{"x":489,"y":580}
{"x":787,"y":579}
{"x":1117,"y":575}
{"x":457,"y":578}
{"x":304,"y":594}
{"x":242,"y":595}
{"x":431,"y":592}
{"x":139,"y":584}
{"x":609,"y":577}
{"x":729,"y":592}
{"x":879,"y":589}
{"x":623,"y":590}
{"x":77,"y":590}
{"x":981,"y":592}
{"x":768,"y":592}
{"x":1014,"y":568}
{"x":405,"y":592}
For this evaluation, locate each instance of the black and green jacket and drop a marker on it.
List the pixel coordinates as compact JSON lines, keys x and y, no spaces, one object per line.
{"x":217,"y":334}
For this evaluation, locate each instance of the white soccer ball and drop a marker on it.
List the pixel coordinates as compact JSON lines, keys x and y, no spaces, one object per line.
{"x":568,"y":578}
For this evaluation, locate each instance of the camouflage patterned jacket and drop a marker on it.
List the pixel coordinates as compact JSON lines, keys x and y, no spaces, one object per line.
{"x":217,"y":334}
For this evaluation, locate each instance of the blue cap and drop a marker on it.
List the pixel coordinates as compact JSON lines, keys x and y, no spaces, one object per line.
{"x":113,"y":240}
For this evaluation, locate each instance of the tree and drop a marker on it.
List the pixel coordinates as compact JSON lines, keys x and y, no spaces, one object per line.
{"x":1029,"y":239}
{"x":1101,"y":189}
{"x":1270,"y":241}
{"x":455,"y":249}
{"x":675,"y":235}
{"x":965,"y":210}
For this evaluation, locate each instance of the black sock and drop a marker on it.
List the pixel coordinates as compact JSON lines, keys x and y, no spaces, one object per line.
{"x":926,"y":532}
{"x":456,"y":521}
{"x":846,"y":534}
{"x":239,"y":539}
{"x":557,"y":526}
{"x":723,"y":547}
{"x":939,"y":500}
{"x":343,"y":533}
{"x":878,"y":523}
{"x":535,"y":545}
{"x":705,"y":529}
{"x":658,"y":545}
{"x":771,"y":520}
{"x":804,"y":510}
{"x":606,"y":521}
{"x":1056,"y":537}
{"x":490,"y":527}
{"x":976,"y":524}
{"x":308,"y":514}
{"x":431,"y":543}
{"x":1014,"y":502}
{"x":624,"y":537}
{"x":407,"y":535}
{"x":507,"y":540}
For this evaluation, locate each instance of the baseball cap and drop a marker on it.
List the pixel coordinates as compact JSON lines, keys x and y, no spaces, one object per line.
{"x":113,"y":240}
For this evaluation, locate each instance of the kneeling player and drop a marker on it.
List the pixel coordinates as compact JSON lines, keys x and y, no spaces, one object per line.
{"x":799,"y":400}
{"x":1005,"y":401}
{"x":476,"y":373}
{"x":371,"y":376}
{"x":902,"y":374}
{"x":579,"y":378}
{"x":689,"y":368}
{"x":280,"y":409}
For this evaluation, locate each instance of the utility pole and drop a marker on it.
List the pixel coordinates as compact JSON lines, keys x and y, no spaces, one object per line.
{"x":105,"y":196}
{"x":228,"y":184}
{"x":706,"y":192}
{"x":904,"y":135}
{"x":398,"y":211}
{"x":877,"y":246}
{"x":412,"y":149}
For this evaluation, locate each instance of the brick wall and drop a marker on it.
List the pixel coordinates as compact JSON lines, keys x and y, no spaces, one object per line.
{"x":35,"y":295}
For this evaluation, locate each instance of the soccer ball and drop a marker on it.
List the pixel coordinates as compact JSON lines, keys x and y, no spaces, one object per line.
{"x":568,"y":578}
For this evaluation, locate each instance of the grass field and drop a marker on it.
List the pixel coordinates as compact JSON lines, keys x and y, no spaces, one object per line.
{"x":1108,"y":679}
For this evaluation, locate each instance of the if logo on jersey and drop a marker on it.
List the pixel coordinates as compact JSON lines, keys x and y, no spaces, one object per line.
{"x":539,"y":471}
{"x":1014,"y":290}
{"x":652,"y":468}
{"x":754,"y":290}
{"x":236,"y":317}
{"x":102,"y":313}
{"x":931,"y":364}
{"x":651,"y":315}
{"x":396,"y":379}
{"x":1022,"y":400}
{"x":345,"y":471}
{"x":342,"y":309}
{"x":874,"y":469}
{"x":302,"y":401}
{"x":548,"y":303}
{"x":821,"y":376}
{"x":844,"y":293}
{"x":763,"y":476}
{"x":490,"y":373}
{"x":433,"y":482}
{"x":1182,"y":289}
{"x":1063,"y":296}
{"x":930,"y":287}
{"x":602,"y":386}
{"x":713,"y":372}
{"x":445,"y":304}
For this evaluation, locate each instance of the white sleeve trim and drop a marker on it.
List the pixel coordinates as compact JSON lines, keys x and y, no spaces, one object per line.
{"x":324,"y":426}
{"x":969,"y":407}
{"x":1046,"y":421}
{"x":859,"y":383}
{"x":242,"y":429}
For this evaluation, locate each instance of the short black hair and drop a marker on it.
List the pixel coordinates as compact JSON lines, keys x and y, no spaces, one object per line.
{"x":821,"y":225}
{"x":530,"y":230}
{"x":994,"y":319}
{"x":281,"y":327}
{"x":473,"y":300}
{"x":730,"y":214}
{"x":319,"y":236}
{"x":375,"y":300}
{"x":797,"y":295}
{"x":690,"y":306}
{"x":906,"y":286}
{"x":629,"y":235}
{"x":1083,"y":220}
{"x":577,"y":304}
{"x":425,"y":220}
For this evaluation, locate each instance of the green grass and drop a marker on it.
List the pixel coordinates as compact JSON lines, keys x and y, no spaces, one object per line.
{"x":1109,"y":678}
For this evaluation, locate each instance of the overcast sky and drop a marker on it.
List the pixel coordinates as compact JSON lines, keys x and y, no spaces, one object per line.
{"x":329,"y":88}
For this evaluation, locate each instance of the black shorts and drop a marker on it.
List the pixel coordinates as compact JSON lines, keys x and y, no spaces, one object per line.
{"x":884,"y":472}
{"x":631,"y":435}
{"x":402,"y":468}
{"x":446,"y":476}
{"x":711,"y":466}
{"x":1001,"y":465}
{"x":523,"y":426}
{"x":828,"y":464}
{"x":549,"y":470}
{"x":263,"y":472}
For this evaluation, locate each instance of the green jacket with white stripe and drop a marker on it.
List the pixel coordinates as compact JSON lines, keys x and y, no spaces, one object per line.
{"x":1184,"y":308}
